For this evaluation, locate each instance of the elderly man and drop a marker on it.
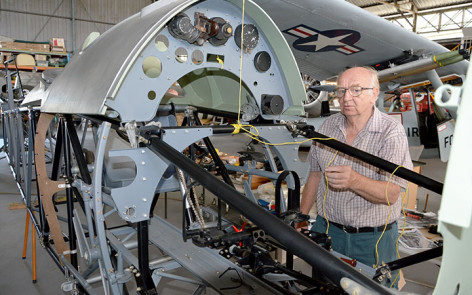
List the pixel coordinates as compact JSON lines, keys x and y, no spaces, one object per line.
{"x":351,"y":195}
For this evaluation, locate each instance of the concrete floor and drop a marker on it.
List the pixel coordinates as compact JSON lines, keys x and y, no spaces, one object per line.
{"x":16,"y":273}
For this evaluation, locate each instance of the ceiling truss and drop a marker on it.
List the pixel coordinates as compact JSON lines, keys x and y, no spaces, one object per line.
{"x":435,"y":21}
{"x":444,"y":17}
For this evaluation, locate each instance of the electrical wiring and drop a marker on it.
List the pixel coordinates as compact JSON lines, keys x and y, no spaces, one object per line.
{"x":238,"y":127}
{"x":241,"y":62}
{"x":388,"y":217}
{"x":252,"y":135}
{"x":326,"y":192}
{"x":403,"y":231}
{"x":291,"y":142}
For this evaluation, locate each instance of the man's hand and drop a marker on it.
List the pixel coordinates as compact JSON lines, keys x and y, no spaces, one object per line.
{"x":341,"y":177}
{"x":344,"y":177}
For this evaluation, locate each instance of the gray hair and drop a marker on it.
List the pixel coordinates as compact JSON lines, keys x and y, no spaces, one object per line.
{"x":373,"y":73}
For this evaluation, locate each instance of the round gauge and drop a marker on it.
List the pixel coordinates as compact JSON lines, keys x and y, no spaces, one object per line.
{"x":250,"y":36}
{"x":272,"y":104}
{"x":262,"y":61}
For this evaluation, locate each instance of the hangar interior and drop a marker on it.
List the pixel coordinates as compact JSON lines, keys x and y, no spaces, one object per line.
{"x":144,"y":142}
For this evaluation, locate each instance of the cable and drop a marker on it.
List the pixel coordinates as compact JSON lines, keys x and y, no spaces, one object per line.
{"x":239,"y":127}
{"x":187,"y":194}
{"x":326,"y":192}
{"x":403,"y":231}
{"x":388,"y":217}
{"x":241,"y":62}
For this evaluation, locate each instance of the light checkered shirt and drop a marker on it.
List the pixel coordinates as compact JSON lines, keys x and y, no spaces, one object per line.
{"x":383,"y":137}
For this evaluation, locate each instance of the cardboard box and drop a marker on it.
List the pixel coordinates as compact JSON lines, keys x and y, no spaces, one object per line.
{"x":22,"y":46}
{"x":45,"y":47}
{"x":57,"y":49}
{"x":41,"y":57}
{"x":42,"y":63}
{"x":57,"y":42}
{"x":410,"y":200}
{"x":41,"y":47}
{"x":7,"y":44}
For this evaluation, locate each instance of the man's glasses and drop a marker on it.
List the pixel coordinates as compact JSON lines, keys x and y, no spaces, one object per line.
{"x":353,"y":91}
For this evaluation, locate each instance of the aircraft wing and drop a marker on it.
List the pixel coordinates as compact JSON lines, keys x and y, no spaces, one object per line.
{"x":327,"y":36}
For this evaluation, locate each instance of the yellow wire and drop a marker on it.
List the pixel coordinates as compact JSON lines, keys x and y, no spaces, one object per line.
{"x":403,"y":231}
{"x":241,"y":62}
{"x":220,"y":61}
{"x":238,"y":127}
{"x":326,"y":192}
{"x":388,"y":217}
{"x":290,"y":142}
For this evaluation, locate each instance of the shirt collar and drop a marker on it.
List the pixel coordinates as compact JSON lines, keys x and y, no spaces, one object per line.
{"x":375,"y":122}
{"x":373,"y":125}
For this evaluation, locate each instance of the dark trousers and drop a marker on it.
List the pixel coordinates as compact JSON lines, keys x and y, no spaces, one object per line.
{"x":361,"y":246}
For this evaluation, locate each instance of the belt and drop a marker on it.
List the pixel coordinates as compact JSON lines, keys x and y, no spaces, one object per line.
{"x":356,"y":230}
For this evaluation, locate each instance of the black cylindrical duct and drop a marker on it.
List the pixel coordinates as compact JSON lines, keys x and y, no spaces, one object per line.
{"x":299,"y":245}
{"x":404,"y":173}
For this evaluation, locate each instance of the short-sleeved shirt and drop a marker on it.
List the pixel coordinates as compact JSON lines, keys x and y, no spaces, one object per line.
{"x":383,"y":137}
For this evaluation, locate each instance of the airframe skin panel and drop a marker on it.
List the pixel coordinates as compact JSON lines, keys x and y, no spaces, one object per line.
{"x":111,"y":86}
{"x":87,"y":80}
{"x":380,"y":39}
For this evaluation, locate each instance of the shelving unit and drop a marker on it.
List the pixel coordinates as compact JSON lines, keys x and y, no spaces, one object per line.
{"x":33,"y":68}
{"x":29,"y":68}
{"x":35,"y":52}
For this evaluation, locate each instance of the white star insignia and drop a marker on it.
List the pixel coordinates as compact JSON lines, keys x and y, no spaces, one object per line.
{"x":324,"y":41}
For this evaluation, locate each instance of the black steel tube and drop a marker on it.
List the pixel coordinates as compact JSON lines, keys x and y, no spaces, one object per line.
{"x":305,"y":280}
{"x":220,"y":166}
{"x":292,"y":194}
{"x":54,"y":257}
{"x":415,"y":258}
{"x":43,"y":225}
{"x":78,"y":152}
{"x":3,"y":131}
{"x":331,"y":267}
{"x":404,"y":173}
{"x":165,"y":205}
{"x":143,"y":256}
{"x":222,"y":129}
{"x":69,"y":193}
{"x":57,"y":152}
